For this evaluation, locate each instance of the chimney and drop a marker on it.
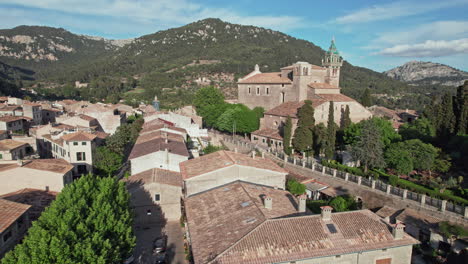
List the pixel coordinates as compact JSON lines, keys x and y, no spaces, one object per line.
{"x":263,"y":154}
{"x":302,"y":204}
{"x":235,"y":150}
{"x":268,"y":202}
{"x":398,"y":230}
{"x":326,"y":212}
{"x":253,"y":154}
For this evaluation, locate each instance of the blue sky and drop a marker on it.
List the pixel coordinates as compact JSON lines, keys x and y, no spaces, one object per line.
{"x":375,"y":34}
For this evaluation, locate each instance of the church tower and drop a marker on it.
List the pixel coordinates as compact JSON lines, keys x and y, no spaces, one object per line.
{"x":333,"y":62}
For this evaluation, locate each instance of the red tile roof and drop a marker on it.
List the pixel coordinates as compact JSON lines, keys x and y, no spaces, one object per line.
{"x":268,"y":77}
{"x":332,"y":97}
{"x":12,"y":118}
{"x":52,"y":165}
{"x":298,"y":238}
{"x":269,"y":133}
{"x":38,"y":199}
{"x":322,"y":86}
{"x":222,"y":159}
{"x":79,"y":136}
{"x":158,"y":144}
{"x":286,"y":109}
{"x":220,"y":217}
{"x":10,"y":144}
{"x":157,"y":175}
{"x":11,"y":211}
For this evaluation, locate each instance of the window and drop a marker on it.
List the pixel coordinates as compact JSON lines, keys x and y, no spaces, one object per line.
{"x":20,"y":222}
{"x":7,"y":236}
{"x":250,"y":90}
{"x":268,"y":90}
{"x":83,"y":143}
{"x":75,"y":143}
{"x":157,"y":197}
{"x":263,"y":140}
{"x":258,"y":90}
{"x":1,"y":156}
{"x":80,"y":156}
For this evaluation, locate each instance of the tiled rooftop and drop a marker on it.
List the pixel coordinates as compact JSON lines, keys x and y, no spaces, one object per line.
{"x":222,"y":159}
{"x":268,"y":132}
{"x":11,"y":118}
{"x":10,"y":212}
{"x":10,"y":144}
{"x":142,"y":148}
{"x":296,"y":238}
{"x":38,"y":199}
{"x":157,"y":176}
{"x":268,"y":77}
{"x":322,"y":86}
{"x":52,"y":165}
{"x":79,"y":136}
{"x":220,"y":217}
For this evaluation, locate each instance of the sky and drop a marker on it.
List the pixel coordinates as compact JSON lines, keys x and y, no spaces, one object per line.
{"x":378,"y":35}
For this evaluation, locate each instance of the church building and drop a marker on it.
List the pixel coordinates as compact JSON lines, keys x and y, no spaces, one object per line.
{"x":282,"y":93}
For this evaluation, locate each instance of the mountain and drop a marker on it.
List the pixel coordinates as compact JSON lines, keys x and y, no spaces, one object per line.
{"x":36,"y":47}
{"x":173,"y":63}
{"x":428,"y":73}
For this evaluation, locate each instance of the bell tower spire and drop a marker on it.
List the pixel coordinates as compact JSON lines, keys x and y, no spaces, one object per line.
{"x":333,"y":62}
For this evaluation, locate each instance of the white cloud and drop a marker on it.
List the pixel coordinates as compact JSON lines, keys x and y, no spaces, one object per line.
{"x":429,"y":48}
{"x":395,"y":10}
{"x":156,"y":12}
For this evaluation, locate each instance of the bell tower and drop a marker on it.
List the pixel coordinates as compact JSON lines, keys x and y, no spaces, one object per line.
{"x":333,"y":62}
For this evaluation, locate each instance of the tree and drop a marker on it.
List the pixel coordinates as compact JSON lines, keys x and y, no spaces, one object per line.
{"x":369,"y":148}
{"x":207,"y":96}
{"x":89,"y":222}
{"x":346,"y":118}
{"x":448,"y":121}
{"x":331,"y":133}
{"x":107,"y":162}
{"x":461,"y":109}
{"x":366,"y":99}
{"x":387,"y":133}
{"x":421,"y":128}
{"x":295,"y":187}
{"x":422,"y":154}
{"x":399,"y":159}
{"x":339,"y":204}
{"x":303,"y":136}
{"x":238,"y":118}
{"x":287,"y":133}
{"x":320,"y":138}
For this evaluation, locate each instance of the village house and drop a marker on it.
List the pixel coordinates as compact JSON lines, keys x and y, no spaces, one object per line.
{"x":14,"y":123}
{"x":76,"y":147}
{"x":222,"y":167}
{"x":158,"y":149}
{"x":49,"y":115}
{"x":157,"y":190}
{"x":160,"y":125}
{"x":33,"y":111}
{"x":108,"y":116}
{"x":250,"y":223}
{"x":193,"y":129}
{"x":398,"y":117}
{"x":80,"y":120}
{"x":14,"y":222}
{"x":13,"y":150}
{"x":45,"y":174}
{"x":11,"y":110}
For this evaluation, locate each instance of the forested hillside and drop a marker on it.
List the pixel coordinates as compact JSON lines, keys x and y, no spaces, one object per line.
{"x":174,"y":63}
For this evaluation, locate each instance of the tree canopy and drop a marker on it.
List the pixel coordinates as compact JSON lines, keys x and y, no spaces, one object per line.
{"x":89,"y":222}
{"x":303,"y":135}
{"x":369,"y":147}
{"x":386,"y":131}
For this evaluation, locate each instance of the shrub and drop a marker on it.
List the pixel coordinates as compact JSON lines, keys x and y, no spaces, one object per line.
{"x":295,"y":187}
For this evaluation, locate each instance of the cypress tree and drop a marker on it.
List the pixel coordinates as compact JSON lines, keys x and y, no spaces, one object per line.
{"x":346,"y":118}
{"x":331,"y":132}
{"x":303,"y":136}
{"x":461,"y":109}
{"x":366,"y":98}
{"x":447,"y":117}
{"x":287,"y":131}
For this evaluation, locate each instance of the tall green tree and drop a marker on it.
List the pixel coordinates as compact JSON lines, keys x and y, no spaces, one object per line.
{"x":209,"y":102}
{"x":106,"y":162}
{"x":89,"y":222}
{"x":331,"y":133}
{"x":366,"y":99}
{"x":346,"y":118}
{"x":369,"y":147}
{"x":461,"y":109}
{"x":238,"y":118}
{"x":303,"y":135}
{"x":287,"y":134}
{"x":387,"y":132}
{"x":320,"y":138}
{"x":399,"y":159}
{"x":421,"y":128}
{"x":448,"y":121}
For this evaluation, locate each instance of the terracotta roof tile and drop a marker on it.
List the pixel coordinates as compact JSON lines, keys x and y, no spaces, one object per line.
{"x":268,"y":77}
{"x":286,"y":109}
{"x":10,"y":144}
{"x":322,"y":86}
{"x":38,"y":199}
{"x":222,"y":159}
{"x":52,"y":165}
{"x":11,"y":211}
{"x":12,"y":118}
{"x":157,"y":175}
{"x":79,"y":136}
{"x":220,"y":217}
{"x":297,"y":238}
{"x":267,"y":132}
{"x":158,"y":144}
{"x":332,"y":97}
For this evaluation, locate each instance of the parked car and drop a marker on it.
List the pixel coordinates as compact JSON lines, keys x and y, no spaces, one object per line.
{"x":160,"y":258}
{"x":159,"y":244}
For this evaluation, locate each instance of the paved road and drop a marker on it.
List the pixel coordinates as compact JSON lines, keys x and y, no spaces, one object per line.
{"x":148,"y":228}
